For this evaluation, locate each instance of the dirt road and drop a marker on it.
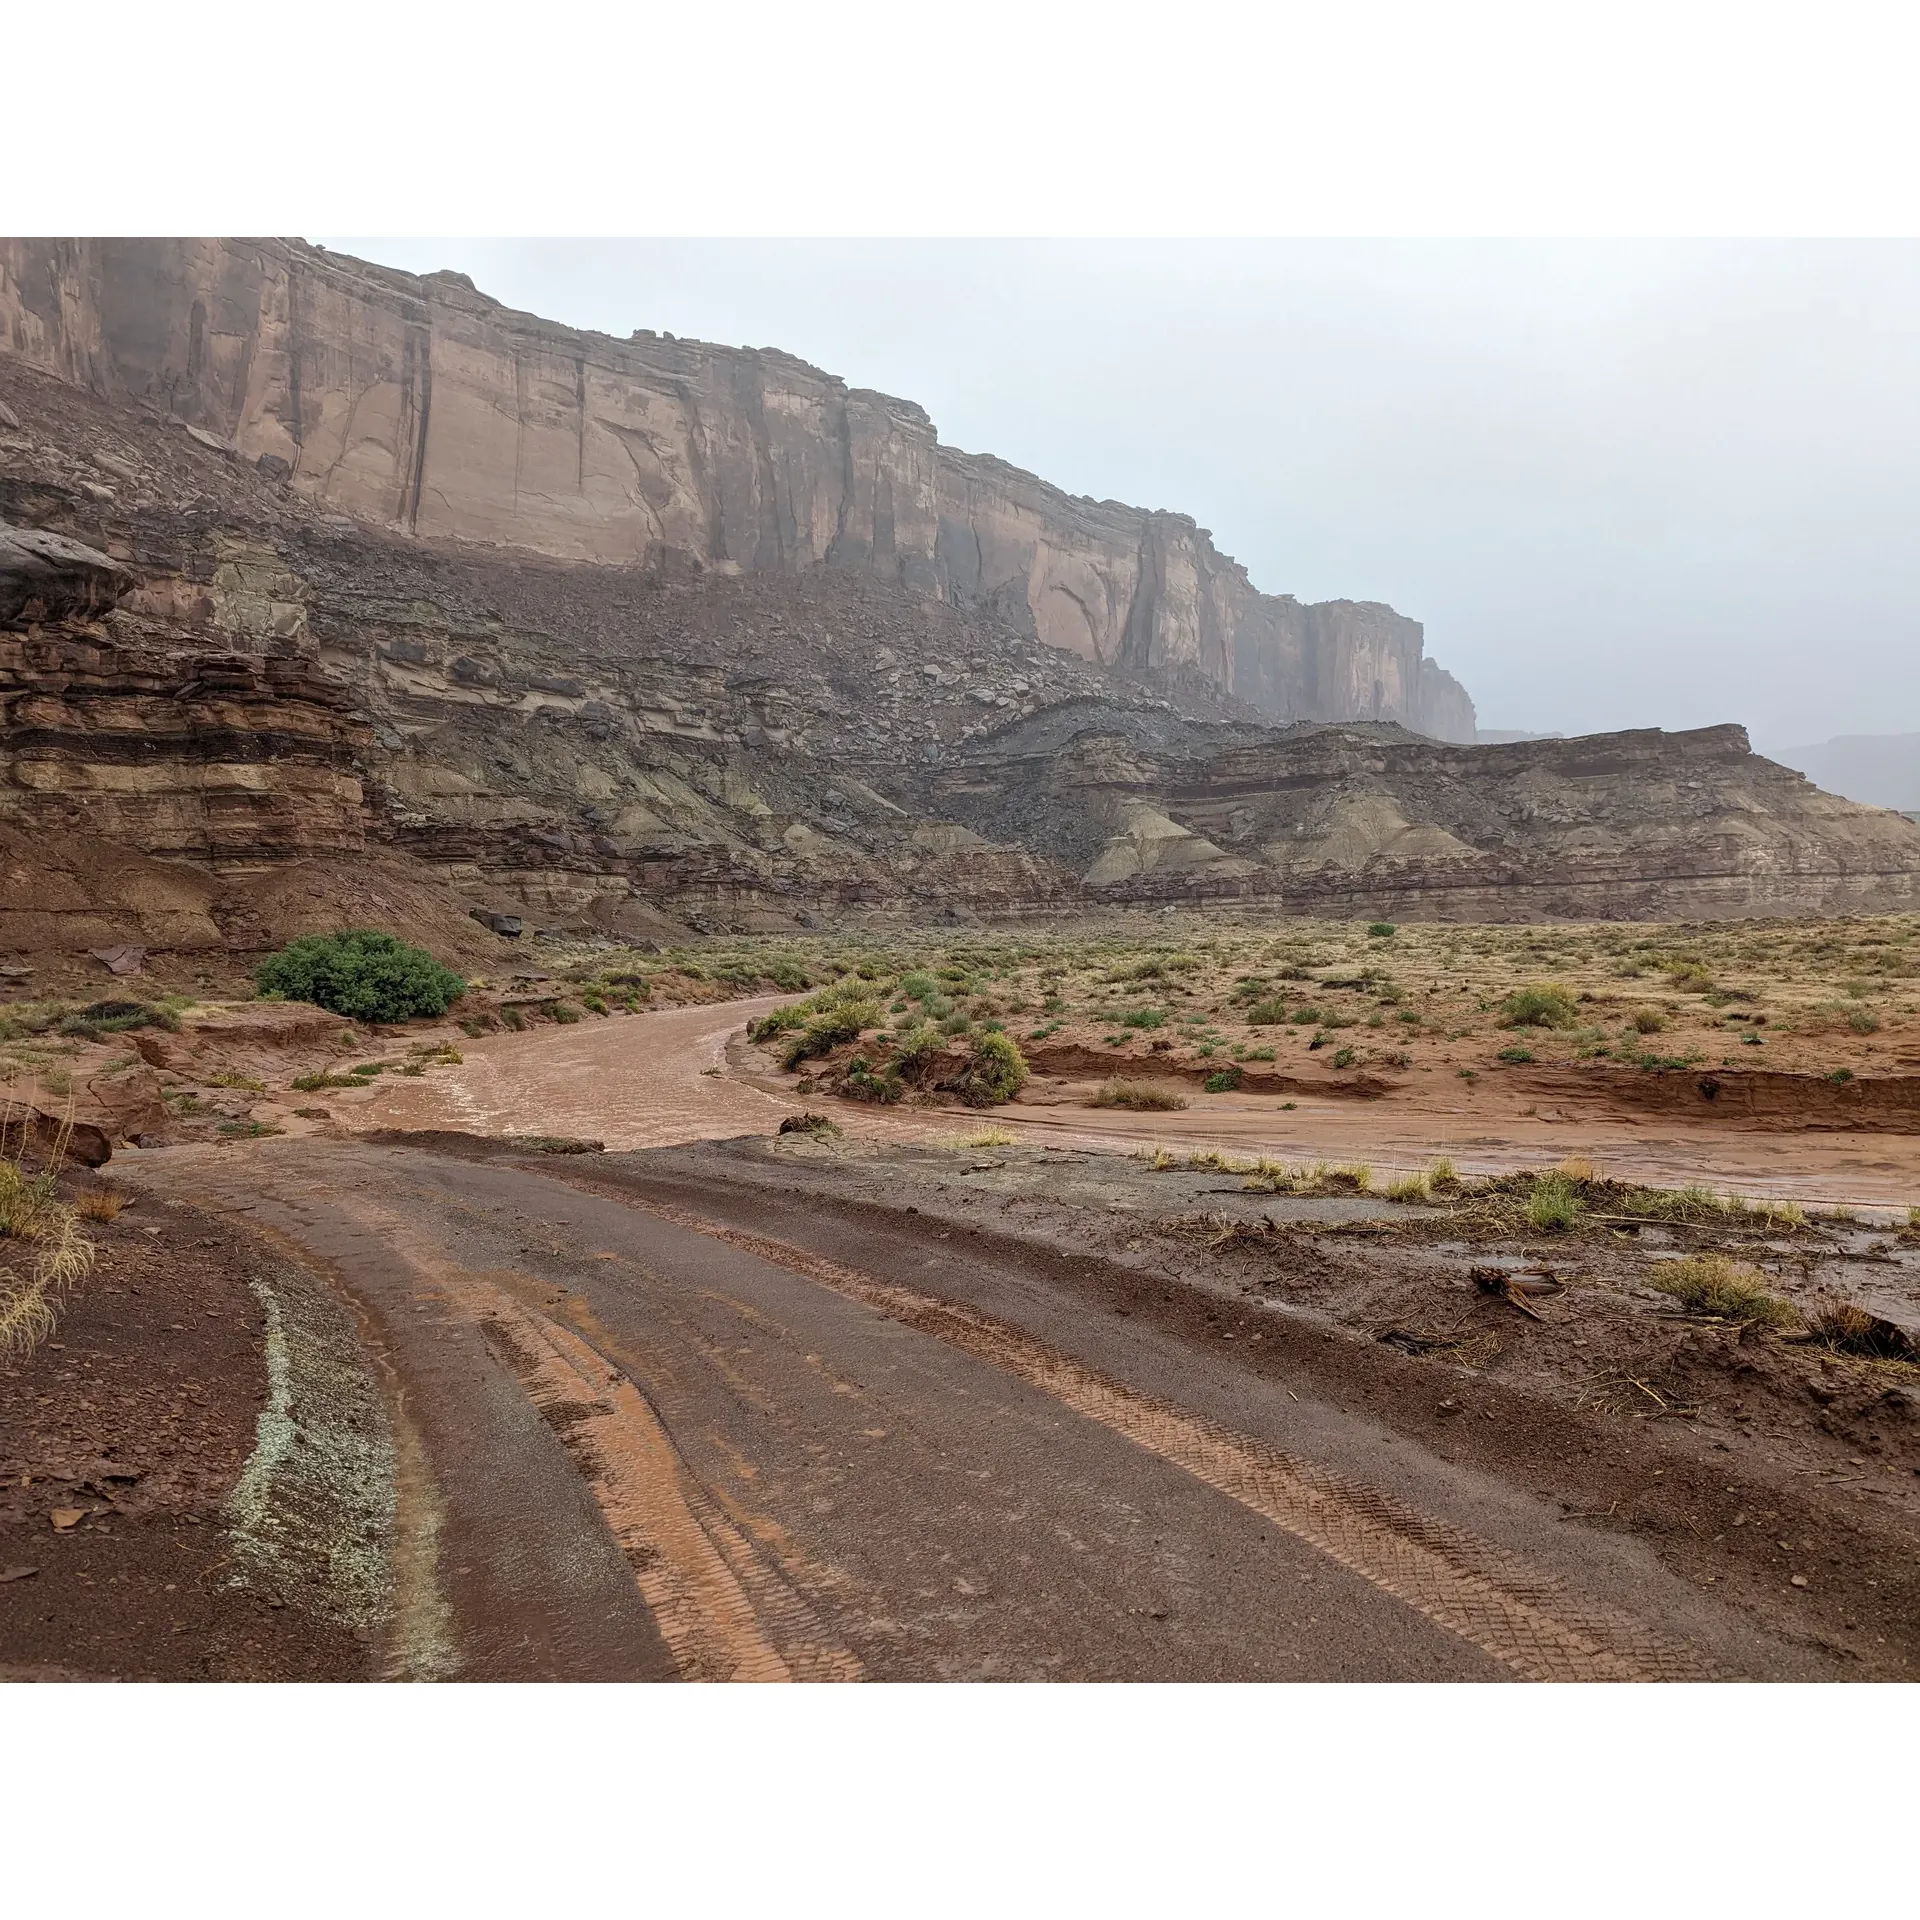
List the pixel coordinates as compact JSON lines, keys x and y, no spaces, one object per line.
{"x":653,"y":1421}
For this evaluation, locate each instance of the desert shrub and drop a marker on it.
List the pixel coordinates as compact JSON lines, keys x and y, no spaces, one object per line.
{"x":1344,"y":1057}
{"x":913,"y":1046}
{"x":1225,"y":1081}
{"x":1382,"y":930}
{"x":1442,"y":1173}
{"x":1140,"y":1096}
{"x":1538,"y":1006}
{"x":834,"y":1024}
{"x":996,"y":1072}
{"x":1690,"y":977}
{"x":1144,"y":1017}
{"x":986,"y":1137}
{"x":362,"y":975}
{"x":513,"y":1019}
{"x":1648,"y":1020}
{"x":816,"y":1124}
{"x":770,"y":1026}
{"x":1408,"y":1187}
{"x":1861,"y":1021}
{"x":919,"y":986}
{"x":1554,"y":1204}
{"x":99,"y":1203}
{"x":1713,"y":1283}
{"x":1515,"y":1056}
{"x":1267,"y":1013}
{"x":861,"y":1082}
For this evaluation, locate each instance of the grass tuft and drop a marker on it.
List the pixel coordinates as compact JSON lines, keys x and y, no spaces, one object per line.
{"x":1729,"y":1289}
{"x":1554,"y":1205}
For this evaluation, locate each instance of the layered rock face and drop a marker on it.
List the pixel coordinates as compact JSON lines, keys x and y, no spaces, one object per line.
{"x":1371,"y":820}
{"x":418,"y":403}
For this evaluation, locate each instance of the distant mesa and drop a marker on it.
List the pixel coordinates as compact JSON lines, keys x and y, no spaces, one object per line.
{"x":1878,"y":769}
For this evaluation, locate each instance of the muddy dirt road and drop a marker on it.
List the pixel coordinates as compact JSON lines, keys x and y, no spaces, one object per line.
{"x":653,"y":1418}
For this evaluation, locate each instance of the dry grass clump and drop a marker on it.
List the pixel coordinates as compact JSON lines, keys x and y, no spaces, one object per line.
{"x":1139,"y":1096}
{"x":987,"y":1137}
{"x":1848,"y":1328}
{"x":58,"y":1254}
{"x":1729,"y":1289}
{"x":100,"y":1203}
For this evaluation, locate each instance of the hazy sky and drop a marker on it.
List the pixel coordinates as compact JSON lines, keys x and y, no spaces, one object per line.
{"x":1622,"y":483}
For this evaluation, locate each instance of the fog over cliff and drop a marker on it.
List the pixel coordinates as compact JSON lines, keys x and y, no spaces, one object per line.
{"x":1621,"y":483}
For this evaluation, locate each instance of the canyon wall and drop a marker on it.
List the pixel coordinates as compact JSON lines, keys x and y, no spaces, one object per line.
{"x":418,"y":403}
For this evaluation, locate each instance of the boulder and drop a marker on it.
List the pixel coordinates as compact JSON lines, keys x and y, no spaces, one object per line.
{"x":45,"y":576}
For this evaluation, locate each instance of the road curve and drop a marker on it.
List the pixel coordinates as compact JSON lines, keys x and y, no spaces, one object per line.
{"x":672,"y":1432}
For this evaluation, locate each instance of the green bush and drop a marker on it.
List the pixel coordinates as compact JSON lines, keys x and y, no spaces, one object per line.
{"x":363,"y":975}
{"x":1144,"y":1017}
{"x":998,"y":1071}
{"x":1516,"y":1056}
{"x":1382,"y":930}
{"x":1538,"y":1006}
{"x":914,"y":1045}
{"x":1225,"y":1081}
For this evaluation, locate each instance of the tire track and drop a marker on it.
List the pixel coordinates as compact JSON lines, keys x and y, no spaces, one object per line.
{"x":722,"y":1614}
{"x":1529,"y":1621}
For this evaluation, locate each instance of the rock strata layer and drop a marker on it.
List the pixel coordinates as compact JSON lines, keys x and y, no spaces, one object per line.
{"x":418,"y":403}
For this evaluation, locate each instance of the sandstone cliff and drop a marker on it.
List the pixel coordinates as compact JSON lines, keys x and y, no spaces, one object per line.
{"x":420,"y":404}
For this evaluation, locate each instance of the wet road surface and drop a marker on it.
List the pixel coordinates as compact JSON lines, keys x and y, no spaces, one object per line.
{"x":669,"y":1430}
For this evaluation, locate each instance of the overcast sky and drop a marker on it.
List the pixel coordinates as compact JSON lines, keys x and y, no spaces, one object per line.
{"x":1622,"y":483}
